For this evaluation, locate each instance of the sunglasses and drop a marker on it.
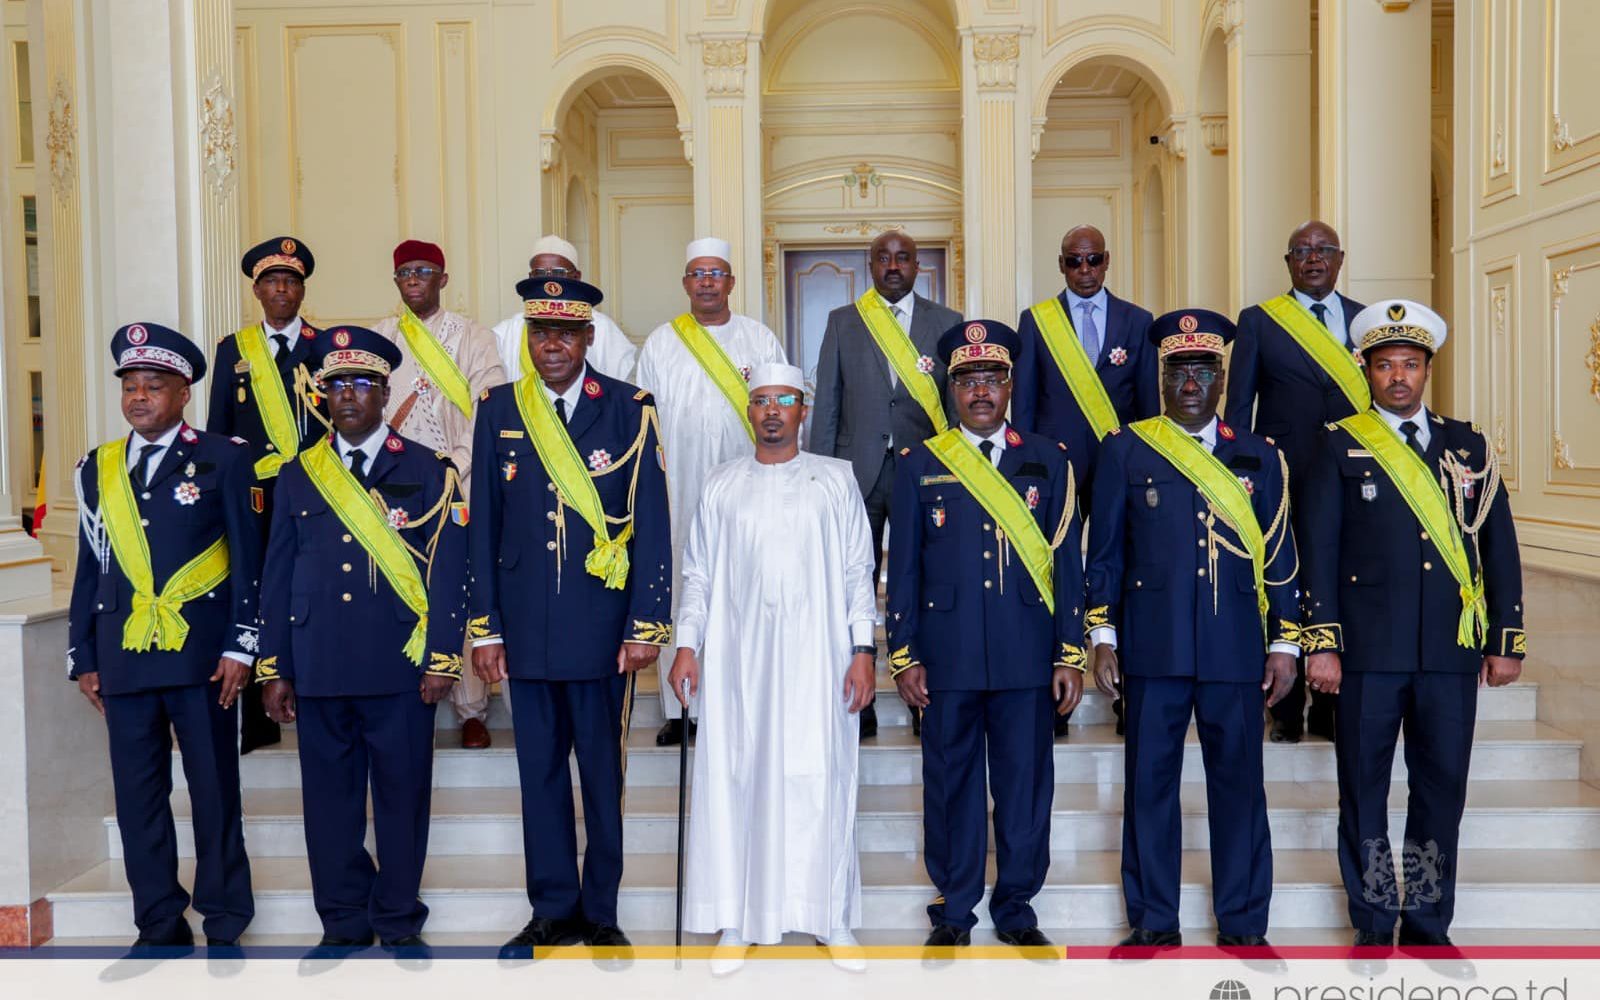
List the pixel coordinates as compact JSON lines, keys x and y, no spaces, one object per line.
{"x":785,"y":400}
{"x":1073,"y":261}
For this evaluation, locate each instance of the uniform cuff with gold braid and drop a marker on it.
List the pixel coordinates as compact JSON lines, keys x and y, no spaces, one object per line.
{"x":1327,"y":638}
{"x":1513,"y":642}
{"x":444,"y":665}
{"x":1097,"y":617}
{"x":651,"y":633}
{"x":478,"y":628}
{"x":266,"y":669}
{"x":1072,"y":656}
{"x":1288,"y":631}
{"x":901,"y":660}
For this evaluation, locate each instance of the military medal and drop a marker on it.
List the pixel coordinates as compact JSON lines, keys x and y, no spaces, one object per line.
{"x":398,"y":518}
{"x":925,"y":365}
{"x":422,"y":386}
{"x":1118,"y":356}
{"x":188,"y":470}
{"x":1369,"y":491}
{"x":1467,"y":489}
{"x":938,"y":516}
{"x":186,"y":493}
{"x":1152,"y":497}
{"x":1249,"y":486}
{"x":241,"y":394}
{"x":599,"y":459}
{"x":1032,"y":497}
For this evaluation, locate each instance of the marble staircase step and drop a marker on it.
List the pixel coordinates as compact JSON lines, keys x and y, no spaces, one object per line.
{"x":1530,"y":889}
{"x":1513,"y":750}
{"x":1508,"y":815}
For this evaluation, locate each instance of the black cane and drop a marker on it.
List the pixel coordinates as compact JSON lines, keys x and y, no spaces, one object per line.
{"x":683,"y":791}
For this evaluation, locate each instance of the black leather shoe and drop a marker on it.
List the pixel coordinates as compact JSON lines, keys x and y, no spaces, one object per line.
{"x":613,"y":952}
{"x":1286,"y":732}
{"x":542,"y":932}
{"x":1374,"y":939}
{"x":409,"y":941}
{"x":608,"y":936}
{"x":1027,"y":937}
{"x":180,"y":937}
{"x":869,"y":722}
{"x":1320,"y":723}
{"x":216,"y":942}
{"x":410,"y":952}
{"x":945,"y":936}
{"x":1141,"y":938}
{"x":671,"y":734}
{"x":1241,"y":941}
{"x":1061,"y":724}
{"x":916,"y":722}
{"x":1417,"y":939}
{"x":331,"y":951}
{"x":334,"y":941}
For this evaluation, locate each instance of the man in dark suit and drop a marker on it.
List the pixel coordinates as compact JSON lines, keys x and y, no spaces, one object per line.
{"x":1192,"y":613}
{"x":1292,"y":371}
{"x":162,"y":633}
{"x":881,"y":386}
{"x":1387,"y":555}
{"x":985,"y":629}
{"x":363,"y":620}
{"x":261,"y":391}
{"x":1086,"y":367}
{"x":547,"y":616}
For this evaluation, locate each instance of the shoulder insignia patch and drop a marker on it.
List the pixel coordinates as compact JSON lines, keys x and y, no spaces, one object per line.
{"x":484,"y":395}
{"x":1225,"y":431}
{"x":308,"y":333}
{"x":904,"y":452}
{"x":1061,"y":446}
{"x":1475,"y":428}
{"x":641,"y":395}
{"x":1331,"y":427}
{"x":1268,"y":440}
{"x":441,"y":456}
{"x":394,"y":443}
{"x":1013,"y":439}
{"x":188,"y":434}
{"x":591,"y":388}
{"x":236,"y":439}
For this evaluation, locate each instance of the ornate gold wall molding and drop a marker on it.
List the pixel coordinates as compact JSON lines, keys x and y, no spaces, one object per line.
{"x":724,"y":60}
{"x":1591,"y":360}
{"x":995,"y":57}
{"x":61,"y":135}
{"x":219,"y":141}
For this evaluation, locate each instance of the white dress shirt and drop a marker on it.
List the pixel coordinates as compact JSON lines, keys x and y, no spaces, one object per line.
{"x":1420,"y":418}
{"x":901,"y":311}
{"x":369,"y":448}
{"x":137,"y":441}
{"x":1334,"y":316}
{"x":572,"y":395}
{"x":1107,"y":634}
{"x":292,"y":331}
{"x":998,"y":438}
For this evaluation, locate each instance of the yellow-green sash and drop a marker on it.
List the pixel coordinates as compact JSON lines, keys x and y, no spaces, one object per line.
{"x":272,"y":400}
{"x":433,"y":359}
{"x":153,"y":618}
{"x":1004,"y":504}
{"x":1411,"y":476}
{"x":717,"y":365}
{"x":1318,"y":341}
{"x":895,"y":343}
{"x":1218,"y":485}
{"x":608,"y":560}
{"x":1076,"y":366}
{"x":360,"y":513}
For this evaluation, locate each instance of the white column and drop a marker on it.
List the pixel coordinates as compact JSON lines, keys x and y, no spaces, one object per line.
{"x":1376,"y":58}
{"x":997,"y":172}
{"x":728,"y":161}
{"x":24,"y":569}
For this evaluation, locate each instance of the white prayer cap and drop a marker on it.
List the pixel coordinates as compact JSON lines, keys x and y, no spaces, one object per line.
{"x":1398,"y":321}
{"x":710,"y":246}
{"x":772,"y":373}
{"x":557,"y":246}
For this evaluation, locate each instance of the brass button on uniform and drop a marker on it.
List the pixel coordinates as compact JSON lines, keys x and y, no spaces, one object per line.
{"x":1352,"y":579}
{"x":345,"y":598}
{"x":1200,"y":572}
{"x":345,"y":567}
{"x":988,"y":555}
{"x":344,"y":538}
{"x":1427,"y":565}
{"x":1424,"y":536}
{"x":551,"y":545}
{"x":1201,"y":543}
{"x":549,"y":515}
{"x":988,"y":584}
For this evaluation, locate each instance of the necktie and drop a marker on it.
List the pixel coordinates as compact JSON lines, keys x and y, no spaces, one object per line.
{"x":358,"y":461}
{"x":1409,"y":429}
{"x":1199,"y":440}
{"x":1090,"y":334}
{"x":146,"y":453}
{"x":1320,"y":311}
{"x":987,"y":447}
{"x":561,"y":408}
{"x":282,"y":342}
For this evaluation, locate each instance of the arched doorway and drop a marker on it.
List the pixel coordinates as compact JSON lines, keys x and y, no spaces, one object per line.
{"x":1100,"y":122}
{"x":616,"y":186}
{"x":1213,"y":273}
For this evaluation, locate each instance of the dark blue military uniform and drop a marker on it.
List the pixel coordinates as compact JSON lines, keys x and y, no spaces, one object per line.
{"x":233,"y":411}
{"x":1190,"y":644}
{"x":962,"y":605}
{"x":1126,"y":365}
{"x":1378,"y":592}
{"x":563,"y":628}
{"x":196,"y":493}
{"x":334,"y":627}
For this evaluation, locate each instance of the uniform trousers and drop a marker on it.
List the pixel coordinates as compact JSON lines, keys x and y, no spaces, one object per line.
{"x":1008,"y":735}
{"x":551,"y":719}
{"x":1228,"y":716}
{"x":348,"y":744}
{"x":1436,"y":711}
{"x":140,"y":727}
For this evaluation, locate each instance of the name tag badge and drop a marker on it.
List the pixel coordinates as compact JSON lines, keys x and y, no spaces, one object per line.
{"x":511,"y":434}
{"x":1358,"y":453}
{"x":935,"y":480}
{"x":241,"y":366}
{"x":1152,"y":497}
{"x":1369,"y":491}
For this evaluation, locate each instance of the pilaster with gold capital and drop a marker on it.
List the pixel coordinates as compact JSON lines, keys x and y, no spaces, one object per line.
{"x":997,"y":169}
{"x":727,"y":158}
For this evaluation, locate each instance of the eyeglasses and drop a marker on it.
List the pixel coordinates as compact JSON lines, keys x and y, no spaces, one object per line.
{"x":551,"y":272}
{"x":347,"y":384}
{"x":785,"y":400}
{"x":407,"y":273}
{"x":1202,"y":375}
{"x":568,"y":335}
{"x":989,"y":381}
{"x":714,"y":273}
{"x":1306,"y":253}
{"x":1073,"y":261}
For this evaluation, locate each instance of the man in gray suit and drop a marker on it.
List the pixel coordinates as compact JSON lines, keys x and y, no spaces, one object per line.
{"x":880,"y":385}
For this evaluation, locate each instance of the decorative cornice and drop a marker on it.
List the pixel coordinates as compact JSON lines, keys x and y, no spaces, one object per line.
{"x":219,"y":142}
{"x":1591,"y":360}
{"x":1214,"y":133}
{"x":686,"y":136}
{"x":61,"y":137}
{"x":724,"y":60}
{"x":996,"y":57}
{"x":549,"y":150}
{"x":1174,"y":138}
{"x":1232,"y":18}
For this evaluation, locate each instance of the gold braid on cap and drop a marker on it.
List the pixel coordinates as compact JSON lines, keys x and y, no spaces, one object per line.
{"x":350,"y":360}
{"x":1398,"y":333}
{"x":971,"y":354}
{"x":283,"y":260}
{"x":1183,"y":343}
{"x":557,"y":309}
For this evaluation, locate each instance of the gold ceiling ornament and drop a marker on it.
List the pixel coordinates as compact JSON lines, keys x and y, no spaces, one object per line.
{"x":61,"y":136}
{"x":862,"y":175}
{"x":864,"y":228}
